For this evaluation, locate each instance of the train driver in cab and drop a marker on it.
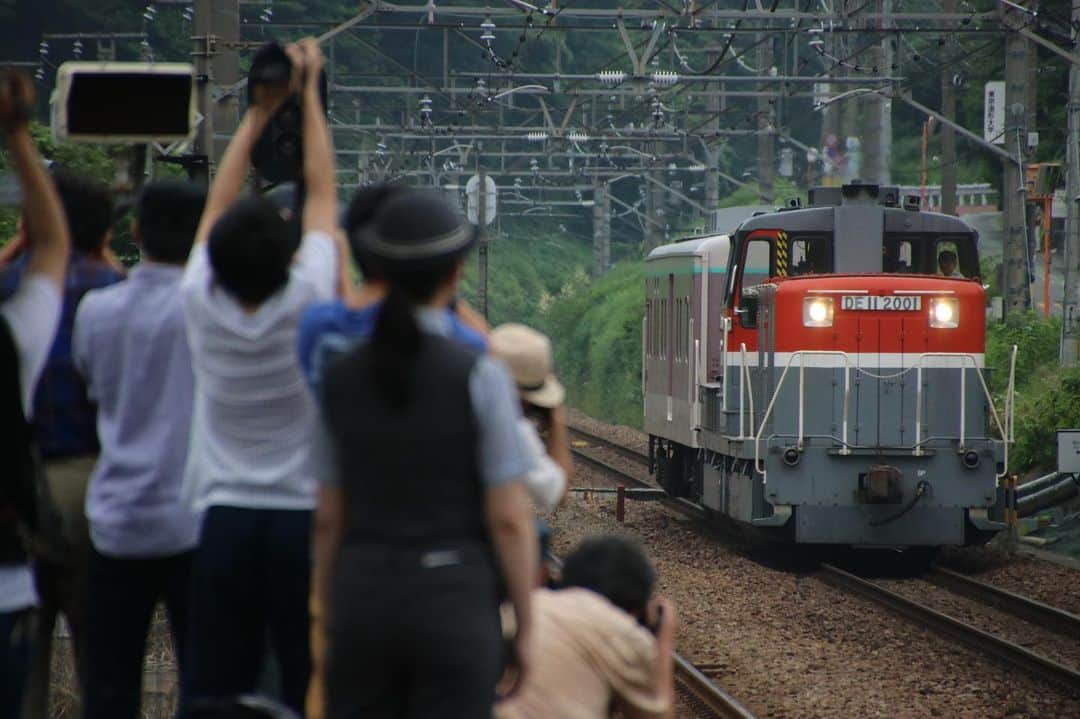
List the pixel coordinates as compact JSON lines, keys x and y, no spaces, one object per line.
{"x":947,"y":265}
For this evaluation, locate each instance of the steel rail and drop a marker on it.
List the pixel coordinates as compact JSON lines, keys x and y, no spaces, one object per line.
{"x":628,"y":452}
{"x":679,"y":504}
{"x":1004,"y":651}
{"x":1031,"y":610}
{"x":708,"y":697}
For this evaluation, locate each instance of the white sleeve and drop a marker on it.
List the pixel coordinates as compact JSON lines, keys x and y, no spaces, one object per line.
{"x":316,"y":262}
{"x":80,"y":340}
{"x":197,"y":270}
{"x":33,"y":314}
{"x":546,"y":481}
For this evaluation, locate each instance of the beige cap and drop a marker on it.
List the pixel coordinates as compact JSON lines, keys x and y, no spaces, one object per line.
{"x":528,"y":354}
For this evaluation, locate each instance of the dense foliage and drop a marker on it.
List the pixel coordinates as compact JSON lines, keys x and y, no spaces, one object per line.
{"x":596,"y":327}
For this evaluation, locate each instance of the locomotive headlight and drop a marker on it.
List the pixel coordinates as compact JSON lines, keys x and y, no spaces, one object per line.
{"x":945,"y":312}
{"x":817,"y":312}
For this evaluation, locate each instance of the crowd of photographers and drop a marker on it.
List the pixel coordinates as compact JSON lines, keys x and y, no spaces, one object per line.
{"x":339,"y":483}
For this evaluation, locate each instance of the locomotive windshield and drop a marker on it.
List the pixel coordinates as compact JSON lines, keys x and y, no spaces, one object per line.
{"x":930,"y":254}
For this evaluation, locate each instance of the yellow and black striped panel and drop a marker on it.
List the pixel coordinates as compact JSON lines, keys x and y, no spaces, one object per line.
{"x":782,"y":248}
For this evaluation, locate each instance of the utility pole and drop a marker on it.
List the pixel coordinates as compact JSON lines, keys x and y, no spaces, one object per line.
{"x":1070,"y":331}
{"x":217,"y":64}
{"x":766,"y":125}
{"x":601,"y":227}
{"x":874,"y":143}
{"x":482,"y":251}
{"x":712,"y":157}
{"x":1014,"y":189}
{"x":948,"y":135}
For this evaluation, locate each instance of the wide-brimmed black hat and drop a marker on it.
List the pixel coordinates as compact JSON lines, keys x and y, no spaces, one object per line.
{"x":414,"y":229}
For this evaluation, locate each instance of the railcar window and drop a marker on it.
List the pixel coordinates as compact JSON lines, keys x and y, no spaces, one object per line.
{"x":946,"y":257}
{"x":921,"y":254}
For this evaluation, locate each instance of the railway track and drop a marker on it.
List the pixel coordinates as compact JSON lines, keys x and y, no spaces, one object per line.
{"x":1002,"y":650}
{"x":1007,"y":652}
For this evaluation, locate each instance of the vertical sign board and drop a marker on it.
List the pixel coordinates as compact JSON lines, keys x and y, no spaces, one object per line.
{"x":994,"y":112}
{"x":472,"y":195}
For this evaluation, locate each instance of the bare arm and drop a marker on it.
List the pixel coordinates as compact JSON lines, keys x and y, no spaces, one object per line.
{"x":328,"y":530}
{"x":471,"y":317}
{"x":232,"y":171}
{"x":558,"y":445}
{"x":513,"y":534}
{"x":47,"y":238}
{"x":661,"y":611}
{"x":320,"y":204}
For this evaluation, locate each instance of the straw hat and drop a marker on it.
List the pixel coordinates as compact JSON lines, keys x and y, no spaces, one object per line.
{"x":528,"y":354}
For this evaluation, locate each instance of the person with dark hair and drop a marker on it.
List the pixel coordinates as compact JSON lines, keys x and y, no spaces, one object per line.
{"x":947,"y":265}
{"x":330,"y":328}
{"x":130,"y":345}
{"x":248,"y":466}
{"x":423,"y":504}
{"x":603,"y":641}
{"x":28,"y":322}
{"x":63,"y":423}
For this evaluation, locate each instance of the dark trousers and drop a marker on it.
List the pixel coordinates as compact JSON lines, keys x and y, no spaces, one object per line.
{"x":16,"y":632}
{"x":122,"y":595}
{"x":410,"y":638}
{"x":250,"y":582}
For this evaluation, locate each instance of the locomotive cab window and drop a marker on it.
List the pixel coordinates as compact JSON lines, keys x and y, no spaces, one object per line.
{"x":757,"y":266}
{"x":898,"y":256}
{"x":808,"y":255}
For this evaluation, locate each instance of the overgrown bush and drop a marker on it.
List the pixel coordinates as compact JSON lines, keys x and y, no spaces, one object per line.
{"x":1047,"y":397}
{"x":596,"y":329}
{"x":1037,"y":340}
{"x":1048,"y":402}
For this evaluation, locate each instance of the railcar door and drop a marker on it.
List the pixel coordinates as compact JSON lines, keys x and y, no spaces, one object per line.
{"x":669,"y":342}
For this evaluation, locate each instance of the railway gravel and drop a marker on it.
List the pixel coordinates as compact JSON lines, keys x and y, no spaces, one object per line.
{"x":1031,"y":636}
{"x":787,"y":645}
{"x":626,"y":436}
{"x":1035,"y":578}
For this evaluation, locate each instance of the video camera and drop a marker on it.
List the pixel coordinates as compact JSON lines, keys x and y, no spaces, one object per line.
{"x":278,"y":155}
{"x":124,"y":102}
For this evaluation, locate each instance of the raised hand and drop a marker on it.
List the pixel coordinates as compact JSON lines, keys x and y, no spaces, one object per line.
{"x":16,"y":100}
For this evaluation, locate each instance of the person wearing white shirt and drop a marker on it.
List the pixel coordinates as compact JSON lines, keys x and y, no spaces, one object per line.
{"x":528,"y":355}
{"x":29,"y":322}
{"x":248,"y":468}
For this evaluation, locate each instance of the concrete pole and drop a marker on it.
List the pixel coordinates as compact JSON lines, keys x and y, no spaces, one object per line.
{"x":1070,"y":331}
{"x":948,"y":135}
{"x":872,"y":140}
{"x":601,"y":227}
{"x":482,"y":251}
{"x":712,"y":157}
{"x":766,"y":124}
{"x":217,"y":22}
{"x":1017,"y":281}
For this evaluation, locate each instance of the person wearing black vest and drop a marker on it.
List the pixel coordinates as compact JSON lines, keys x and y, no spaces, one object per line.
{"x":423,"y":509}
{"x":28,"y":322}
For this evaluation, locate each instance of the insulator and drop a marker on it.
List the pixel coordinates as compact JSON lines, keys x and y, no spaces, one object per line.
{"x":536,"y":136}
{"x":578,"y":136}
{"x":43,"y":48}
{"x":611,"y":78}
{"x":77,"y":48}
{"x":488,"y":34}
{"x":149,"y":13}
{"x":425,"y":106}
{"x":39,"y":74}
{"x":665,"y":78}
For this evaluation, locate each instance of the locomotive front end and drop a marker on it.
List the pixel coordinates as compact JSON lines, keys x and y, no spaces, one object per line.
{"x":879,"y":428}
